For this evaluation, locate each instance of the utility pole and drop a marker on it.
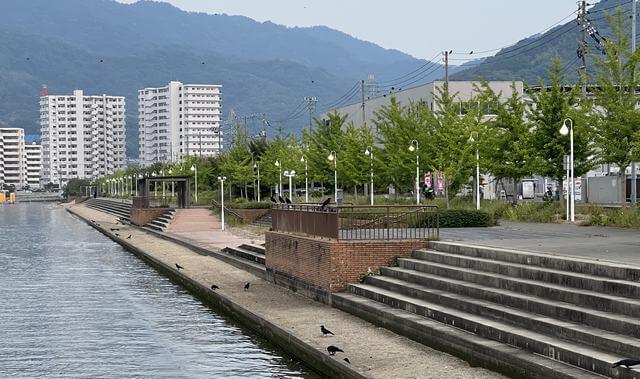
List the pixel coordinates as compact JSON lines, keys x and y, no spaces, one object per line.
{"x":362,"y":95}
{"x":446,"y":67}
{"x":582,"y":14}
{"x":634,"y":177}
{"x":311,"y":107}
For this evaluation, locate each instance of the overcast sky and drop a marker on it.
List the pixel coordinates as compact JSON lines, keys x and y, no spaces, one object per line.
{"x":421,"y":28}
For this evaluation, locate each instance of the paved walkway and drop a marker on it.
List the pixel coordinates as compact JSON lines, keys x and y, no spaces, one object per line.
{"x":612,"y":244}
{"x":202,"y":227}
{"x":373,"y":351}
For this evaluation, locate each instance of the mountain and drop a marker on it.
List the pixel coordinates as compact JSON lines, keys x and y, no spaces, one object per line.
{"x":102,"y":46}
{"x":529,"y":59}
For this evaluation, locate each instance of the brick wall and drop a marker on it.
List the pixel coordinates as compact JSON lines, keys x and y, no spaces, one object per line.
{"x":328,"y":263}
{"x":142,"y":216}
{"x":250,"y":215}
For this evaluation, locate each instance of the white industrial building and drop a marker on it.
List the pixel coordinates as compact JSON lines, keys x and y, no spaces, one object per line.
{"x":19,"y":163}
{"x":179,"y":120}
{"x":82,"y":136}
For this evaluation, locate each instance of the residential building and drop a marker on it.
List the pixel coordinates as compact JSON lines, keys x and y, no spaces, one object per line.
{"x":82,"y":136}
{"x":19,"y":162}
{"x":179,"y":120}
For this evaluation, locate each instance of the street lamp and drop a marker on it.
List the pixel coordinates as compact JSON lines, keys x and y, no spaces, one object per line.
{"x":414,"y":146}
{"x":571,"y":188}
{"x":290,"y":174}
{"x":131,"y":180}
{"x":139,"y":177}
{"x":155,"y":185}
{"x":472,"y":141}
{"x":333,"y":156}
{"x":163,"y":186}
{"x":222,"y":179}
{"x":194,"y":169}
{"x":369,"y":153}
{"x":306,"y":180}
{"x":256,"y":166}
{"x":172,"y":183}
{"x":280,"y":171}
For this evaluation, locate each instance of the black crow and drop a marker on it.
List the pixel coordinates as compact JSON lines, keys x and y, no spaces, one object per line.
{"x":347,"y":360}
{"x":325,"y":331}
{"x":214,"y":287}
{"x":626,"y":362}
{"x":288,"y":200}
{"x":281,"y":199}
{"x":114,"y":229}
{"x":129,"y":237}
{"x":179,"y":267}
{"x":273,"y":200}
{"x":246,"y":286}
{"x":325,"y":203}
{"x":334,"y":349}
{"x":93,"y":221}
{"x":117,"y":235}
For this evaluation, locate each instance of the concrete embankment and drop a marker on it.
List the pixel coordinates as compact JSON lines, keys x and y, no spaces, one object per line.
{"x":290,"y":321}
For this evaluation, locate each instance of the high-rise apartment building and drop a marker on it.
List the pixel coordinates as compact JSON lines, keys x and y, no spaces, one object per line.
{"x":19,"y":163}
{"x":179,"y":120}
{"x":82,"y":136}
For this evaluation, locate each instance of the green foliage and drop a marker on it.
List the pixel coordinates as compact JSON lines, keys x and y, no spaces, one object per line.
{"x":535,"y":212}
{"x":464,"y":218}
{"x":617,"y":217}
{"x":75,"y":187}
{"x":243,"y":204}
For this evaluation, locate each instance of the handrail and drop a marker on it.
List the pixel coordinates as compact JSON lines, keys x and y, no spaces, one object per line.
{"x":228,"y":210}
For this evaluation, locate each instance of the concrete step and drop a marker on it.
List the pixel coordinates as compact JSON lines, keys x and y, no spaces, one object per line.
{"x":573,"y":264}
{"x":578,"y":333}
{"x":607,"y":285}
{"x":478,"y":350}
{"x":595,"y":360}
{"x":115,"y":212}
{"x":154,"y":227}
{"x":579,"y":297}
{"x":159,"y":225}
{"x":243,"y":253}
{"x":612,"y":322}
{"x":255,"y":248}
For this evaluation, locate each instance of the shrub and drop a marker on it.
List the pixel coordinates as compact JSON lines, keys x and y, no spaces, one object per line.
{"x":535,"y":212}
{"x":249,"y":205}
{"x":464,"y":218}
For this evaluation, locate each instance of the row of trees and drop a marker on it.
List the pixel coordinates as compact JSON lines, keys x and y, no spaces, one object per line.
{"x":520,"y":138}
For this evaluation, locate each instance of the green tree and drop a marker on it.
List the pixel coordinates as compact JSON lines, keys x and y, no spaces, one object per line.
{"x":617,"y":120}
{"x":550,"y":106}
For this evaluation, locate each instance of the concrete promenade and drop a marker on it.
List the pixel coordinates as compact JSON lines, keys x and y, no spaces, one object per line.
{"x":607,"y":244}
{"x":374,"y":352}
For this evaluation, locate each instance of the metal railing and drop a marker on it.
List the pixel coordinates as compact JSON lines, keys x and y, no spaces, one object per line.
{"x":358,"y":222}
{"x":229,"y":211}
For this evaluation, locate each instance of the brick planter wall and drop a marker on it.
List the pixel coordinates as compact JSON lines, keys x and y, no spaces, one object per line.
{"x":251,"y":215}
{"x":142,"y":216}
{"x":328,"y":263}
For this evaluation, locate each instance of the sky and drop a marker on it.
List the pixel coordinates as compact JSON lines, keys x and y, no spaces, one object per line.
{"x":422,"y":28}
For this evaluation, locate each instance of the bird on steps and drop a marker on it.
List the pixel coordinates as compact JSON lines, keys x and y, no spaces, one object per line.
{"x":179,"y":267}
{"x":626,"y":362}
{"x":246,"y":286}
{"x":347,"y":360}
{"x":334,"y":349}
{"x":325,"y":331}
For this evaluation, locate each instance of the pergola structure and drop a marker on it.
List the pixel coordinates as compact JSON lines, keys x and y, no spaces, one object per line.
{"x":181,"y":188}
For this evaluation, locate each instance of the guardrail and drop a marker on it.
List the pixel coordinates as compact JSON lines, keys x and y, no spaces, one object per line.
{"x":358,"y":222}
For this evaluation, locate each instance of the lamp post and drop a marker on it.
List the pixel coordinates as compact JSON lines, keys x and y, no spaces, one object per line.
{"x":333,"y":156}
{"x":163,"y":186}
{"x":256,"y":166}
{"x":414,"y":146}
{"x":477,"y":189}
{"x":564,"y":130}
{"x":131,"y":181}
{"x":280,"y":182}
{"x":155,"y":185}
{"x":139,"y":177}
{"x":369,"y":153}
{"x":306,"y":180}
{"x":290,"y":174}
{"x":172,"y":183}
{"x":222,"y":179}
{"x":194,"y":169}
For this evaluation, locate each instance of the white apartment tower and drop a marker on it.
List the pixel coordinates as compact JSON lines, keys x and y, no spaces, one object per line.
{"x":179,"y":120}
{"x":19,"y":163}
{"x":82,"y":136}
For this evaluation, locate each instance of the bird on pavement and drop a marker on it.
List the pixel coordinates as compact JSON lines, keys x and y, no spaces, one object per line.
{"x":214,"y":287}
{"x":626,"y":362}
{"x":129,"y":237}
{"x":114,"y":229}
{"x":179,"y":267}
{"x":347,"y":360}
{"x":334,"y":349}
{"x":325,"y":331}
{"x":246,"y":286}
{"x":117,"y":235}
{"x":93,"y":221}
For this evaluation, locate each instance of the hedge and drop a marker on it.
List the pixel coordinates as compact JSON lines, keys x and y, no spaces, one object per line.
{"x":458,"y":218}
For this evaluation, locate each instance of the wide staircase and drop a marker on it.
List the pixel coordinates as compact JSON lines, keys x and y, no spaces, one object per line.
{"x":162,"y":222}
{"x":529,"y":314}
{"x":119,"y":208}
{"x":248,"y":256}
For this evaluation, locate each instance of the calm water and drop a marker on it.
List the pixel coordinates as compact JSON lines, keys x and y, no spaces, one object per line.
{"x":75,"y":304}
